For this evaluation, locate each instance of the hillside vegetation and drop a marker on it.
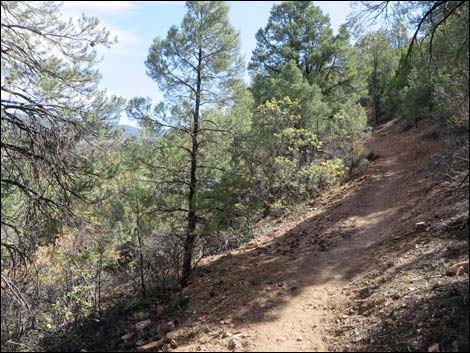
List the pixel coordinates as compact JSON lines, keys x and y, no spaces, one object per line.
{"x":321,"y":207}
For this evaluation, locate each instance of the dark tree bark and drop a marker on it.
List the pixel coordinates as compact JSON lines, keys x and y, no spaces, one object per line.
{"x":192,"y":219}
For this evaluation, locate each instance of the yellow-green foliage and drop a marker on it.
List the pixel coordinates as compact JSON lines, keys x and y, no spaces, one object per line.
{"x":293,"y":162}
{"x":68,"y":268}
{"x":327,"y":172}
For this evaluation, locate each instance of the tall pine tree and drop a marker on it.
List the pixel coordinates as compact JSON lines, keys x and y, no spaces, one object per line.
{"x":198,"y":67}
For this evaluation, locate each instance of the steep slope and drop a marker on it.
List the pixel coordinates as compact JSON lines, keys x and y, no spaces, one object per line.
{"x":352,"y":273}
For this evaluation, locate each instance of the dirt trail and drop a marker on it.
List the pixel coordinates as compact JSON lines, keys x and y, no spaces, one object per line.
{"x":302,"y":325}
{"x":285,"y":294}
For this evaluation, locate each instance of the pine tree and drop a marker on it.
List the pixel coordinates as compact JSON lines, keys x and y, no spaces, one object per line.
{"x":50,"y":105}
{"x":197,"y":66}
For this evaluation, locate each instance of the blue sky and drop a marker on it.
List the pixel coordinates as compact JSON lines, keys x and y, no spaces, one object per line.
{"x":137,"y":23}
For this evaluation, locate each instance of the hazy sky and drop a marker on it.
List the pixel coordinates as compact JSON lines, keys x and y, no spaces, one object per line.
{"x":137,"y":23}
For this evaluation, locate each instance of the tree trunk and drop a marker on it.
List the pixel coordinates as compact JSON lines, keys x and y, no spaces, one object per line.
{"x":139,"y":238}
{"x":192,"y":218}
{"x":375,"y":91}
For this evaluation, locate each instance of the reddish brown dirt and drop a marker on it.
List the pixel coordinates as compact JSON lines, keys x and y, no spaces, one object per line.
{"x":329,"y":278}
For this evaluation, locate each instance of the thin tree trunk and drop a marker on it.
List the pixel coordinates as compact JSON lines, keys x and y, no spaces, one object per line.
{"x":139,"y":239}
{"x":192,"y":219}
{"x":99,"y":284}
{"x":142,"y":280}
{"x":375,"y":92}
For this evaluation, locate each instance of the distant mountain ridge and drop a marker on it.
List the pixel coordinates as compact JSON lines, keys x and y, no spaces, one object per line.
{"x":128,"y":130}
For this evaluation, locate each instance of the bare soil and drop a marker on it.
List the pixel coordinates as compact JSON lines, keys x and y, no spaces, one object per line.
{"x":352,"y":273}
{"x":349,"y":273}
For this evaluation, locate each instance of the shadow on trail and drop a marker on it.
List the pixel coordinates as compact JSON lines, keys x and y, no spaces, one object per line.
{"x":249,"y":287}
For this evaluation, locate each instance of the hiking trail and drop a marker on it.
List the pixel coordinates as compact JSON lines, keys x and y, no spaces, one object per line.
{"x":284,"y":292}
